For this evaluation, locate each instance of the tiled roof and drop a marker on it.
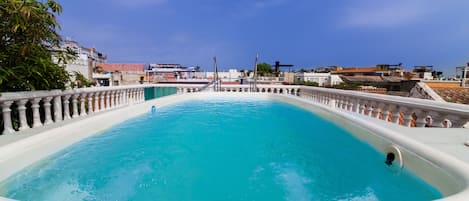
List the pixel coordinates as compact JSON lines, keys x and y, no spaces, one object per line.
{"x":443,"y":84}
{"x":357,"y":70}
{"x":451,"y":92}
{"x":362,"y":78}
{"x":109,"y":67}
{"x":455,"y":95}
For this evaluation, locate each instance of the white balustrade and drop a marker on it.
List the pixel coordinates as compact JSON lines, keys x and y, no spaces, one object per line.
{"x":56,"y":104}
{"x":53,"y":106}
{"x":410,"y":112}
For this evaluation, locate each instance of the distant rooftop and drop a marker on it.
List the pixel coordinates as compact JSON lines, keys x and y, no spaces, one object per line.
{"x":450,"y":91}
{"x":110,"y":67}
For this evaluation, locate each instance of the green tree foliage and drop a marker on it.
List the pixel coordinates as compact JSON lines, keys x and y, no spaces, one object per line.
{"x":81,"y":81}
{"x":348,"y":86}
{"x":28,"y":31}
{"x":264,"y":69}
{"x":307,"y":83}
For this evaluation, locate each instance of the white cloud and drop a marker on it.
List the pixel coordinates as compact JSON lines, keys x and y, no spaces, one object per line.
{"x":394,"y":13}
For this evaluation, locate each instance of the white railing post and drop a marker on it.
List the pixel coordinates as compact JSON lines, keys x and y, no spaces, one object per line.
{"x":101,"y":101}
{"x":47,"y":111}
{"x":22,"y":113}
{"x":58,"y":108}
{"x":396,"y":114}
{"x":421,"y":118}
{"x":142,"y":95}
{"x":66,"y":106}
{"x":385,"y":112}
{"x":96,"y":102}
{"x":90,"y":103}
{"x":36,"y":116}
{"x":113,"y":100}
{"x":82,"y":104}
{"x":6,"y":112}
{"x":108,"y":100}
{"x":75,"y":105}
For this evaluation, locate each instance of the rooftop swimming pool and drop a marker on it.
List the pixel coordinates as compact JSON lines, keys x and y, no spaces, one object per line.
{"x":219,"y":149}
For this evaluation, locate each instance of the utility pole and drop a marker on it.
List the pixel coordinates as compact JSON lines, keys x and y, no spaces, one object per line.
{"x":254,"y":87}
{"x":464,"y":75}
{"x":216,"y":85}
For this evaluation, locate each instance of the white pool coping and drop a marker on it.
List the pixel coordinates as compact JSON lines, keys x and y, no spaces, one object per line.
{"x":444,"y":150}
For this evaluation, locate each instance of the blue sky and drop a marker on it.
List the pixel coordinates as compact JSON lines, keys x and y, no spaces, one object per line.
{"x":305,"y":33}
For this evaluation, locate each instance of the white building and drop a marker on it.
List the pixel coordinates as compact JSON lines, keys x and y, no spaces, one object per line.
{"x":86,"y":59}
{"x":323,"y":79}
{"x":232,"y":75}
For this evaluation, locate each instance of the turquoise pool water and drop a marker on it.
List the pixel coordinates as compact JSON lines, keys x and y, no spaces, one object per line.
{"x":249,"y":149}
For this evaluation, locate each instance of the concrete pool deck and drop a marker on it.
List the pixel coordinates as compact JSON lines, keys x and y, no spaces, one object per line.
{"x":20,"y":150}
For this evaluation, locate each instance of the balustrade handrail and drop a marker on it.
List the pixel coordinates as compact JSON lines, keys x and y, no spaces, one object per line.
{"x":423,"y":104}
{"x":58,"y":105}
{"x":12,"y":96}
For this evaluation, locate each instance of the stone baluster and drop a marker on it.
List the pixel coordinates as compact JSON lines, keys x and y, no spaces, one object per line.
{"x":82,"y":104}
{"x":66,"y":101}
{"x":131,"y":96}
{"x":376,"y":109}
{"x":343,"y":102}
{"x":436,"y":119}
{"x":102,"y":101}
{"x":349,"y":104}
{"x":108,"y":100}
{"x":439,"y":120}
{"x":118,"y":98}
{"x":75,"y":105}
{"x":338,"y":101}
{"x":96,"y":102}
{"x":407,"y":116}
{"x":369,"y":109}
{"x":112,"y":103}
{"x":385,"y":112}
{"x":396,"y":114}
{"x":127,"y":96}
{"x":356,"y":105}
{"x":6,"y":112}
{"x":421,"y":118}
{"x":90,"y":103}
{"x":137,"y":95}
{"x":142,"y":94}
{"x":134,"y":96}
{"x":36,"y":116}
{"x":58,"y":109}
{"x":362,"y":107}
{"x":22,"y":113}
{"x":458,"y":121}
{"x":122,"y":98}
{"x":47,"y":111}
